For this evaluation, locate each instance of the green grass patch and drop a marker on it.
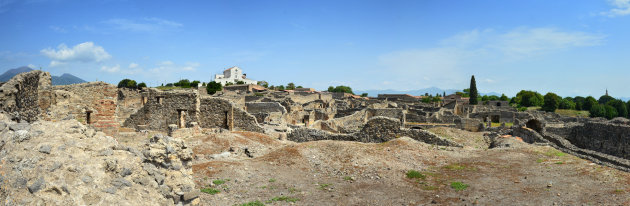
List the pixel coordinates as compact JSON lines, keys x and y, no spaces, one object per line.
{"x":293,"y":190}
{"x":497,"y":124}
{"x":456,"y":167}
{"x":211,"y":191}
{"x":619,"y":191}
{"x":218,"y":182}
{"x":559,"y":163}
{"x":573,"y":113}
{"x":347,"y":178}
{"x":554,"y":153}
{"x":323,"y":186}
{"x":254,"y":203}
{"x":459,"y":186}
{"x":272,"y":180}
{"x":411,"y":174}
{"x":540,"y":160}
{"x":283,"y":198}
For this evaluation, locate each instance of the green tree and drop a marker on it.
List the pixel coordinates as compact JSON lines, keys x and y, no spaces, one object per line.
{"x":620,"y":107}
{"x":579,"y":102}
{"x":485,"y":98}
{"x":526,"y":98}
{"x":566,"y":103}
{"x":290,"y":86}
{"x":605,"y":99}
{"x":341,"y":88}
{"x":551,"y":102}
{"x":331,"y":88}
{"x":589,"y":102}
{"x":364,"y":95}
{"x":194,"y":84}
{"x":142,"y":85}
{"x":240,"y":82}
{"x":125,"y":83}
{"x":504,"y":98}
{"x":213,"y":87}
{"x":169,"y":84}
{"x":229,"y":84}
{"x":184,"y":83}
{"x":611,"y":112}
{"x":265,"y":84}
{"x":281,"y":87}
{"x":299,"y":87}
{"x":473,"y":91}
{"x":597,"y":110}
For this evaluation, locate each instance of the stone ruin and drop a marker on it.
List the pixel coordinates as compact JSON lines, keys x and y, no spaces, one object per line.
{"x":98,"y":113}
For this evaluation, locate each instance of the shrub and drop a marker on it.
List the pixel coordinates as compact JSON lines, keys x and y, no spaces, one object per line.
{"x":459,"y":186}
{"x":213,"y":87}
{"x":411,"y":174}
{"x":341,"y":88}
{"x":142,"y":85}
{"x":211,"y":191}
{"x":551,"y":102}
{"x":127,"y":83}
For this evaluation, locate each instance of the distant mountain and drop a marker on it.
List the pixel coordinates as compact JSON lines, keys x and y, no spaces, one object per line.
{"x":419,"y":92}
{"x":12,"y":72}
{"x":64,"y":79}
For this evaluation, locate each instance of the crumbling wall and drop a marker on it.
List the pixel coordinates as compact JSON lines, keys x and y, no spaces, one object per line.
{"x":395,"y":113}
{"x":612,"y":139}
{"x":92,"y":103}
{"x":165,"y":108}
{"x":26,"y":95}
{"x":272,"y":112}
{"x":221,"y":113}
{"x":129,"y":102}
{"x":377,"y":129}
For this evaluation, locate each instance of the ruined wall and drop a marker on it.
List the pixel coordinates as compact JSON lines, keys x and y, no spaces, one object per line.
{"x":26,"y":95}
{"x":99,"y":99}
{"x":218,"y":112}
{"x":377,"y":129}
{"x":164,"y":108}
{"x":272,"y":112}
{"x":395,"y":113}
{"x":129,"y":102}
{"x":612,"y":139}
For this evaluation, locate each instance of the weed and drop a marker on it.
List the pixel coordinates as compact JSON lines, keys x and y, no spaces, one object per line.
{"x":540,"y":160}
{"x":254,"y":203}
{"x":323,"y":186}
{"x":554,"y":153}
{"x":211,"y":191}
{"x":347,"y":178}
{"x":415,"y":174}
{"x":619,"y":191}
{"x":272,"y":180}
{"x":218,"y":182}
{"x":284,"y":198}
{"x":292,"y":190}
{"x":458,"y":186}
{"x":559,"y":163}
{"x":458,"y":167}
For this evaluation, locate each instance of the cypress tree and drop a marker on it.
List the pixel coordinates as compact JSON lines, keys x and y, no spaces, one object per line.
{"x":473,"y":91}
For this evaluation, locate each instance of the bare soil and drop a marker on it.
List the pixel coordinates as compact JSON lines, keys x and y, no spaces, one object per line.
{"x":245,"y":167}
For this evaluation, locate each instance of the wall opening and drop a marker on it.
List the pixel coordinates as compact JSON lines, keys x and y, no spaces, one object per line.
{"x":88,"y":117}
{"x":495,"y":118}
{"x":535,"y":125}
{"x":181,"y":120}
{"x":159,"y":99}
{"x":144,"y":100}
{"x":498,"y":104}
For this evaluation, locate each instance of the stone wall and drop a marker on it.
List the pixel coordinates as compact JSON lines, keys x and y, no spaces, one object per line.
{"x":395,"y":113}
{"x":612,"y":139}
{"x":129,"y":102}
{"x":164,"y":108}
{"x":98,"y":100}
{"x":377,"y":129}
{"x":272,"y":112}
{"x":221,"y":113}
{"x":26,"y":95}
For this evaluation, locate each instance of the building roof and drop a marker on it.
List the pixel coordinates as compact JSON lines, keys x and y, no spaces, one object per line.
{"x":230,"y":68}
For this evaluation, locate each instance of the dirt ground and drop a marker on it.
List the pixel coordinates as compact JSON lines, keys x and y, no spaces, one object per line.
{"x":236,"y":168}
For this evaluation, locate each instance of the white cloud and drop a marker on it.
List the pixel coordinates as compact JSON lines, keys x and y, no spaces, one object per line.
{"x":144,"y":25}
{"x":169,"y":66}
{"x":86,"y":52}
{"x":32,"y":66}
{"x":469,"y":52}
{"x":133,"y":65}
{"x":111,"y":69}
{"x":621,"y":8}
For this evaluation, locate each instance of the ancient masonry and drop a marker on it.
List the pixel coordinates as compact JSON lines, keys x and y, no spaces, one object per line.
{"x":303,"y":115}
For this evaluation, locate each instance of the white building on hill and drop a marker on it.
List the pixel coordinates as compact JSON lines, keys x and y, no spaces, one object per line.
{"x":233,"y":74}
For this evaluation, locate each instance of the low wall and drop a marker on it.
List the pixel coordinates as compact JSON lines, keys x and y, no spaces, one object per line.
{"x":26,"y":95}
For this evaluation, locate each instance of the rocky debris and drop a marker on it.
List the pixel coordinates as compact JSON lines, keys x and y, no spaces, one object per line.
{"x":67,"y":163}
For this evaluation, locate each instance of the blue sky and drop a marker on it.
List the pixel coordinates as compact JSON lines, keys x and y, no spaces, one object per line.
{"x":564,"y":46}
